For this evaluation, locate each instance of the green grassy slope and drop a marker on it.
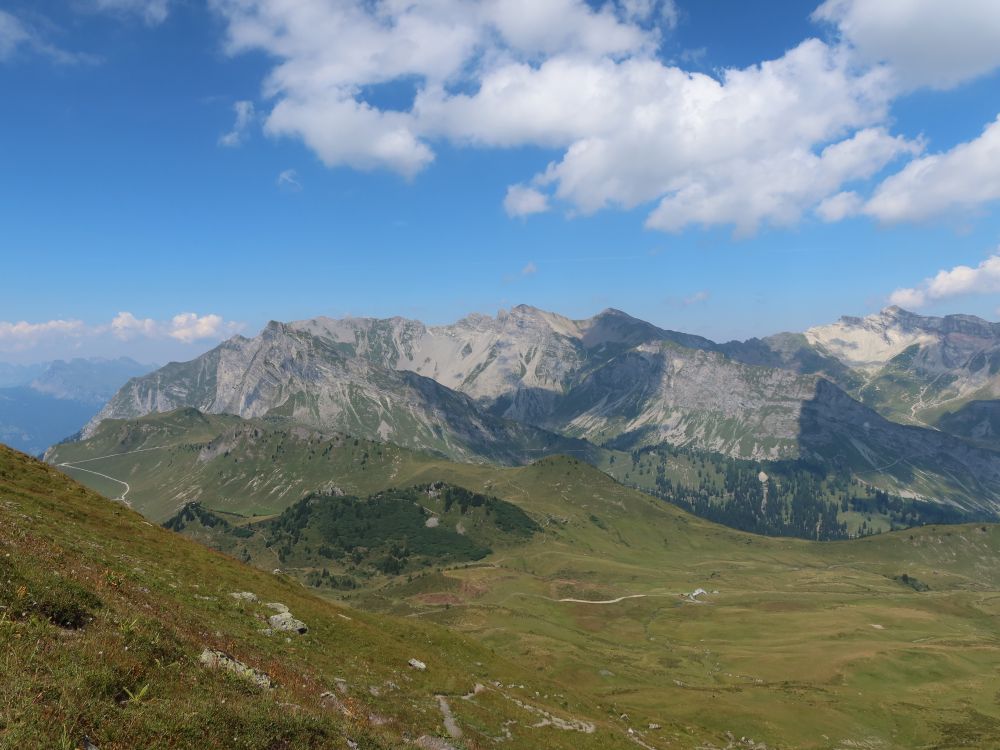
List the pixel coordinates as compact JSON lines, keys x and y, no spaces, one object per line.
{"x":259,"y":468}
{"x":794,"y":616}
{"x":889,"y":641}
{"x":226,"y":463}
{"x":103,"y":617}
{"x":804,"y":645}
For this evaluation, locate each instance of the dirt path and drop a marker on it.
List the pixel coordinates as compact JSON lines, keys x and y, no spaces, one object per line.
{"x":450,"y":725}
{"x":122,"y":497}
{"x":571,"y":600}
{"x":605,"y":601}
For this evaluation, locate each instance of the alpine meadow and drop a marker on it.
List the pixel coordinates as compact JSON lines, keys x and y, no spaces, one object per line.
{"x":570,"y":374}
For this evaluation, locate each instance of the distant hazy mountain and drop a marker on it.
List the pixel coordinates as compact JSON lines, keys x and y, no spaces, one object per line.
{"x":12,"y":375}
{"x":44,"y":403}
{"x":90,"y":381}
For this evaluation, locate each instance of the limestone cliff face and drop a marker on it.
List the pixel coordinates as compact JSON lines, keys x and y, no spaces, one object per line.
{"x":662,"y":393}
{"x":913,"y":367}
{"x":525,"y":383}
{"x":516,"y":364}
{"x":288,"y":373}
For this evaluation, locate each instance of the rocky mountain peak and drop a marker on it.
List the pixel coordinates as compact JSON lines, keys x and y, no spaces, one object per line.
{"x":955,"y":323}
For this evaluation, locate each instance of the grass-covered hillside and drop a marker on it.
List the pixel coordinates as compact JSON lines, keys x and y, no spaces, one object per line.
{"x":120,"y":634}
{"x":884,"y":642}
{"x":228,"y":464}
{"x":887,"y":642}
{"x":250,"y":469}
{"x":340,"y":541}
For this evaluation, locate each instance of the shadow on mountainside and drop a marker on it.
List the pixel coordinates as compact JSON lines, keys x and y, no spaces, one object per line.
{"x":838,"y":430}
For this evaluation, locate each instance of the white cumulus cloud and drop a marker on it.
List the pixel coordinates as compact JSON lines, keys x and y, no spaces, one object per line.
{"x":185,"y":327}
{"x":24,"y":335}
{"x":840,"y":206}
{"x":188,"y":327}
{"x":126,"y":326}
{"x":953,"y":282}
{"x":959,"y":180}
{"x":62,"y":337}
{"x":761,"y":145}
{"x":522,"y":200}
{"x":925,"y":42}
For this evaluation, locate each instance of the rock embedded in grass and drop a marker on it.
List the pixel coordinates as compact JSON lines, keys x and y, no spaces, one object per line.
{"x":214,"y":659}
{"x":284,"y":621}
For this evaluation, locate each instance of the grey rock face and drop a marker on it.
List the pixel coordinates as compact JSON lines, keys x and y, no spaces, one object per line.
{"x":527,"y":383}
{"x":289,"y":372}
{"x":912,"y":367}
{"x":516,"y":363}
{"x":663,"y":393}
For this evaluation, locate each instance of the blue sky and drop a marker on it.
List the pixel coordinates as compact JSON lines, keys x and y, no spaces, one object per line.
{"x":216,"y":160}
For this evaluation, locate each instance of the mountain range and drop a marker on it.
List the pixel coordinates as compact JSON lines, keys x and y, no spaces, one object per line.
{"x":903,"y":402}
{"x":480,"y":595}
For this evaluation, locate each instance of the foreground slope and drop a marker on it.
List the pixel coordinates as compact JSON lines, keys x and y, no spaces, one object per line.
{"x":104,"y":618}
{"x":886,"y":642}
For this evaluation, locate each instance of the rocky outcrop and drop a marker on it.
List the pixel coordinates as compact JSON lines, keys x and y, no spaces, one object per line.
{"x":515,"y":364}
{"x":912,"y":367}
